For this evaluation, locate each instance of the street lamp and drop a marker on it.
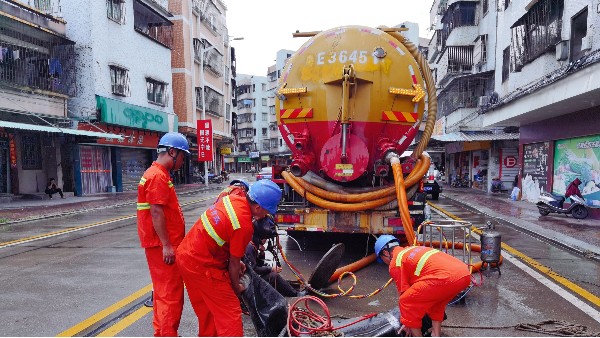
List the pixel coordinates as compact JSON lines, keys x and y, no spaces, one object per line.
{"x":203,"y":51}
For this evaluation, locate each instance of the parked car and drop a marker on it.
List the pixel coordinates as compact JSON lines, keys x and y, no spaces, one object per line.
{"x":265,"y":173}
{"x":430,"y":182}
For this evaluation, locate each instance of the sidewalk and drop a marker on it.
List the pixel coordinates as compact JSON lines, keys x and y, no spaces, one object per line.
{"x":582,"y":236}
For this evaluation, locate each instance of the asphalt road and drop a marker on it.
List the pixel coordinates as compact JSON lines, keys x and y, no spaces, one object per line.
{"x":90,"y":278}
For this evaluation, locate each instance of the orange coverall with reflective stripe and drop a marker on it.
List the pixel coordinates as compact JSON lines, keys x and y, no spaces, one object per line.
{"x":155,"y":187}
{"x":427,"y":280}
{"x":223,"y":231}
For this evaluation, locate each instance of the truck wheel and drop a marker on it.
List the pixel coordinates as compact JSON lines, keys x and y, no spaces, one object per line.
{"x":580,"y":212}
{"x":435,"y":196}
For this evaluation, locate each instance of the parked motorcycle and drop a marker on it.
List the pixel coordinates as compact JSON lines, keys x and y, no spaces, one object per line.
{"x":549,"y":203}
{"x":215,"y":178}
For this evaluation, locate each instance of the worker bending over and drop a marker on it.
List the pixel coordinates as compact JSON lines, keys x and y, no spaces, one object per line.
{"x":427,"y":280}
{"x":209,"y":257}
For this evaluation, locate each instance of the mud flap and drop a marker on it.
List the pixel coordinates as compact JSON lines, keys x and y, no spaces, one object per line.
{"x":268,"y":309}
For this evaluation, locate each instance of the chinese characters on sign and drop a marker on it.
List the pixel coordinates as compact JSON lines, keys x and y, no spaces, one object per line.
{"x":205,"y":141}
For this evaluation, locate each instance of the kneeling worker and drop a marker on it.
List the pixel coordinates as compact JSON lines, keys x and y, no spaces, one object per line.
{"x":209,"y":257}
{"x":427,"y":280}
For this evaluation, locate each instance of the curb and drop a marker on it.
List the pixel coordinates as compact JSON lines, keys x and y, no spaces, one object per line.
{"x":592,"y":253}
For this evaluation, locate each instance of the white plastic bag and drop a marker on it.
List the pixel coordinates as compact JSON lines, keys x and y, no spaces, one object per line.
{"x":514,"y":195}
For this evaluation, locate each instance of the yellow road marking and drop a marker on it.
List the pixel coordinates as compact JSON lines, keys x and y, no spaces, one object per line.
{"x":125,"y":322}
{"x":537,"y":265}
{"x":105,"y":313}
{"x":64,"y":231}
{"x":77,"y":228}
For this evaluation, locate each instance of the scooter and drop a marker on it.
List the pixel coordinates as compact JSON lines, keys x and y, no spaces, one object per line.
{"x":551,"y":203}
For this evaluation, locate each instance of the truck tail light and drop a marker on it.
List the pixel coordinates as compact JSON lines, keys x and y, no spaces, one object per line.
{"x":288,"y":218}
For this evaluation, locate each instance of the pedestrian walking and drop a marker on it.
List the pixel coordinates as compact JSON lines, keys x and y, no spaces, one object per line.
{"x":427,"y":280}
{"x":161,"y":229}
{"x":209,"y":257}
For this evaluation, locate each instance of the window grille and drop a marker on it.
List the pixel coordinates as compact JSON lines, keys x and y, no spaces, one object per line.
{"x":115,"y":10}
{"x":197,"y":50}
{"x":464,"y":93}
{"x":31,"y":152}
{"x":43,"y":5}
{"x":460,"y":59}
{"x":119,"y":81}
{"x":199,"y":98}
{"x":152,"y":25}
{"x":157,"y":92}
{"x":537,"y":32}
{"x":505,"y":63}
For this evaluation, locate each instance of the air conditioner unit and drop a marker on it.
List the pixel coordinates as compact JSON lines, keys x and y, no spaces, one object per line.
{"x":483,"y":101}
{"x":562,"y":50}
{"x":586,"y":43}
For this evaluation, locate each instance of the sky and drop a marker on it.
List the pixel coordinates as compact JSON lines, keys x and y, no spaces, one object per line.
{"x":267,"y":25}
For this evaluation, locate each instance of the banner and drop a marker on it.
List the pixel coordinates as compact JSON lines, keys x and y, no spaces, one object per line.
{"x":578,"y":158}
{"x":205,"y":140}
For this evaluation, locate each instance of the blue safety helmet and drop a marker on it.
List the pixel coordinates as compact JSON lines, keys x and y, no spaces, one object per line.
{"x":381,"y":242}
{"x":267,"y":194}
{"x":240,"y":182}
{"x":173,"y":140}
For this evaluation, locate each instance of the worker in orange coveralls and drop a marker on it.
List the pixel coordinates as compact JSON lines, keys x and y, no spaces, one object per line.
{"x":161,"y":228}
{"x":427,"y":280}
{"x":236,"y":187}
{"x":209,"y":257}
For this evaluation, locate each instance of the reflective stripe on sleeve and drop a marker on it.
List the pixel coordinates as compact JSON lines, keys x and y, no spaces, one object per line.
{"x":235,"y":223}
{"x":142,"y":181}
{"x":210,"y":230}
{"x":170,"y":184}
{"x":143,"y":206}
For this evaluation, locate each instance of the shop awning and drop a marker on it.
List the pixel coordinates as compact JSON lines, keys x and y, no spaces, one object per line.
{"x":52,"y":129}
{"x":476,"y":136}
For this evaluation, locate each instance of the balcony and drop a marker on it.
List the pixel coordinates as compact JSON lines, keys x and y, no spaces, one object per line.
{"x":150,"y":23}
{"x":459,"y":60}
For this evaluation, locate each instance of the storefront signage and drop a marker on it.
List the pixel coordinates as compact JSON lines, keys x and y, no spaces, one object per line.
{"x":124,"y":114}
{"x":578,"y":158}
{"x":131,"y":137}
{"x":229,"y":160}
{"x":243,"y":159}
{"x":13,"y":153}
{"x":254,"y":154}
{"x":510,"y":161}
{"x":535,"y":170}
{"x":225,"y":151}
{"x":205,"y":140}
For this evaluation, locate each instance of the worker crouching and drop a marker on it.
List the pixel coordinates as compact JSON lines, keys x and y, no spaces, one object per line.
{"x":427,"y":280}
{"x":209,"y":257}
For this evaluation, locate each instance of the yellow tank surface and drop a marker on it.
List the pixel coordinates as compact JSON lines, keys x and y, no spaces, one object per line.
{"x":348,"y":97}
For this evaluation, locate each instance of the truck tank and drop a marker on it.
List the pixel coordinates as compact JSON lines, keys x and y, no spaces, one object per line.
{"x":349,"y":103}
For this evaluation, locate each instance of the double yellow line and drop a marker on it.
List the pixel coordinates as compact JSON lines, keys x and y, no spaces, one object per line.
{"x":119,"y":326}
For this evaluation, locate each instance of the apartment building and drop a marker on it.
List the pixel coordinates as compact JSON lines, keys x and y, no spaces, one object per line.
{"x":526,"y":69}
{"x":252,"y":133}
{"x":279,"y":151}
{"x":203,"y":66}
{"x":123,"y":53}
{"x":38,"y":76}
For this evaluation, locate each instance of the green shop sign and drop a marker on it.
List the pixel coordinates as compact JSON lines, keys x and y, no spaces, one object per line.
{"x":243,"y":159}
{"x":124,"y":114}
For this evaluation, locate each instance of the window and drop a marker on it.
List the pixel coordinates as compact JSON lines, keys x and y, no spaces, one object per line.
{"x":119,"y":81}
{"x":264,"y":87}
{"x":536,"y":32}
{"x":506,"y":3}
{"x":505,"y":63}
{"x":254,"y":119}
{"x":198,"y":97}
{"x":43,"y":5}
{"x":227,"y":112}
{"x":264,"y":132}
{"x":115,"y":10}
{"x":157,"y":92}
{"x":264,"y":102}
{"x":265,"y":117}
{"x":484,"y":6}
{"x":31,"y":152}
{"x":579,"y":35}
{"x":152,"y":25}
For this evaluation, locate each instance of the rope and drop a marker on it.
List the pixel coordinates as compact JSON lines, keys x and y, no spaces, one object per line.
{"x":306,"y":321}
{"x":561,"y":328}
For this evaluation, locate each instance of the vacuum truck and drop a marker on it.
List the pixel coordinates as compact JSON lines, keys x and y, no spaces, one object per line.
{"x":349,"y":102}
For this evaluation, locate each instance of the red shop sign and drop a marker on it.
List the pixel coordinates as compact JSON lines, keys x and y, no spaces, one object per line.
{"x":205,"y":140}
{"x":131,"y":137}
